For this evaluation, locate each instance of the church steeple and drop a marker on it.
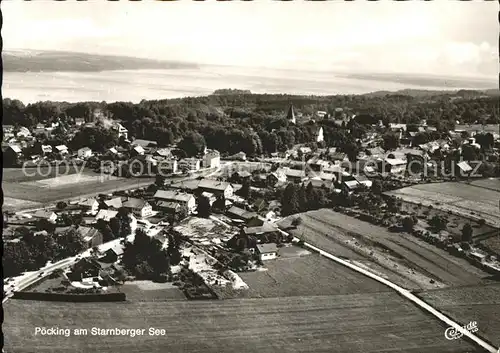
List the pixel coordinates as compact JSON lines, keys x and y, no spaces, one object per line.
{"x":291,"y":114}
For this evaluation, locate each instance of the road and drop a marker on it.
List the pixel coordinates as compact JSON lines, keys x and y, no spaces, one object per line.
{"x":408,"y":295}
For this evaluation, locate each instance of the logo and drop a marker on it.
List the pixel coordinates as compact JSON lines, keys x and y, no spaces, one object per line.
{"x":454,"y":333}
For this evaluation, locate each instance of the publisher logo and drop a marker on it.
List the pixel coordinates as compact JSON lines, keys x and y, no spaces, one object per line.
{"x":454,"y":333}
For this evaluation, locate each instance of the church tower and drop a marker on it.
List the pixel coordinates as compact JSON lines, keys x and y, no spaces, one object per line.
{"x":291,"y":115}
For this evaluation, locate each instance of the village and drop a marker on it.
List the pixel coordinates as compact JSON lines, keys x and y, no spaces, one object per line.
{"x":207,"y":220}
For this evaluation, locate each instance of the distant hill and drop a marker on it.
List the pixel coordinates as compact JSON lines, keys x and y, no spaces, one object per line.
{"x":51,"y":61}
{"x":231,"y":91}
{"x":428,"y":93}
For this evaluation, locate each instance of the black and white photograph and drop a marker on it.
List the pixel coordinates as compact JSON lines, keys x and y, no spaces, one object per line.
{"x":250,"y":176}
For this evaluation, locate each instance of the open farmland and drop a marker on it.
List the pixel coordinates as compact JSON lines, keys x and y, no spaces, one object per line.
{"x":475,"y":201}
{"x":342,"y":323}
{"x":471,"y":303}
{"x":307,"y":275}
{"x":23,"y":192}
{"x":140,"y":291}
{"x":330,"y":230}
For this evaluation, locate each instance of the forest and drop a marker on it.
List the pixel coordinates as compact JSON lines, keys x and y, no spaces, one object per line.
{"x":232,"y":121}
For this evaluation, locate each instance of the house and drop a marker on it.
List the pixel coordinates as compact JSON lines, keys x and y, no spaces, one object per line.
{"x":45,"y":214}
{"x":115,"y":203}
{"x":464,"y":168}
{"x":106,"y":215}
{"x":267,"y":251}
{"x":8,"y":129}
{"x":295,"y":175}
{"x":138,"y":151}
{"x":320,"y":184}
{"x":84,"y":152}
{"x":240,"y":176}
{"x":167,"y":166}
{"x":121,"y":130}
{"x":241,"y":214}
{"x":392,"y":165}
{"x":216,"y":187}
{"x":276,"y":177}
{"x":84,"y":268}
{"x":164,"y":153}
{"x":211,"y":197}
{"x":290,"y":116}
{"x":62,"y":149}
{"x":318,"y":135}
{"x":263,"y":229}
{"x":211,"y":159}
{"x":322,"y":114}
{"x":79,"y":121}
{"x":139,"y":207}
{"x":337,"y":156}
{"x":169,"y":207}
{"x":187,"y":201}
{"x":23,"y":132}
{"x":46,"y":149}
{"x":144,"y":143}
{"x":349,"y":186}
{"x":91,"y":236}
{"x":259,"y":205}
{"x":189,"y":164}
{"x":89,"y":205}
{"x":240,"y":156}
{"x":363,"y":180}
{"x":12,"y":155}
{"x":113,"y":254}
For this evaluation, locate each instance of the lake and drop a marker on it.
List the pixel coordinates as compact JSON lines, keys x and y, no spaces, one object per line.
{"x":135,"y":85}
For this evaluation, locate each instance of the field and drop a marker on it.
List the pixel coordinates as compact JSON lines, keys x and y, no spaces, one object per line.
{"x":472,"y":303}
{"x":140,"y":291}
{"x":343,"y":323}
{"x":340,"y":234}
{"x":305,"y":276}
{"x":23,"y":191}
{"x":476,"y":200}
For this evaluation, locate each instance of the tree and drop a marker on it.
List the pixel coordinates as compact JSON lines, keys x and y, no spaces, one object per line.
{"x":61,"y":205}
{"x":290,"y":200}
{"x":439,"y":223}
{"x":467,"y":233}
{"x":192,"y":144}
{"x":204,"y":207}
{"x":408,"y":224}
{"x":245,"y":189}
{"x":391,"y":141}
{"x":297,"y":221}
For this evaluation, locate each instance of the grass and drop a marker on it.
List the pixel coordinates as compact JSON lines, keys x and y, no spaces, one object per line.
{"x":331,"y":230}
{"x":342,"y":323}
{"x":21,"y":193}
{"x":476,"y":200}
{"x":135,"y":293}
{"x":473,"y":303}
{"x":306,"y":275}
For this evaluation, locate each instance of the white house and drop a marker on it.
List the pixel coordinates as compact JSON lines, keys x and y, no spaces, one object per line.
{"x":190,"y":164}
{"x":216,"y":187}
{"x":168,"y":166}
{"x":90,"y":205}
{"x":139,"y":207}
{"x":122,"y":131}
{"x":44,"y":214}
{"x":84,"y":152}
{"x":187,"y":201}
{"x":23,"y":132}
{"x":267,"y":251}
{"x":46,"y":149}
{"x":62,"y":149}
{"x":319,"y":135}
{"x":211,"y":159}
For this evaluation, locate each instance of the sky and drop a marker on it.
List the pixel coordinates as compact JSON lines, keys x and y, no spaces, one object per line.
{"x":441,"y":37}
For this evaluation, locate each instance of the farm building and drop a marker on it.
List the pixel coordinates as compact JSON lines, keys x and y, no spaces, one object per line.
{"x":215,"y":187}
{"x":392,"y":165}
{"x":106,"y":215}
{"x":91,"y":236}
{"x":267,"y":251}
{"x":264,"y":229}
{"x":241,"y":214}
{"x":115,"y":203}
{"x":169,"y":207}
{"x":187,"y":201}
{"x":295,"y":175}
{"x":44,"y":214}
{"x":89,"y":205}
{"x":138,"y":207}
